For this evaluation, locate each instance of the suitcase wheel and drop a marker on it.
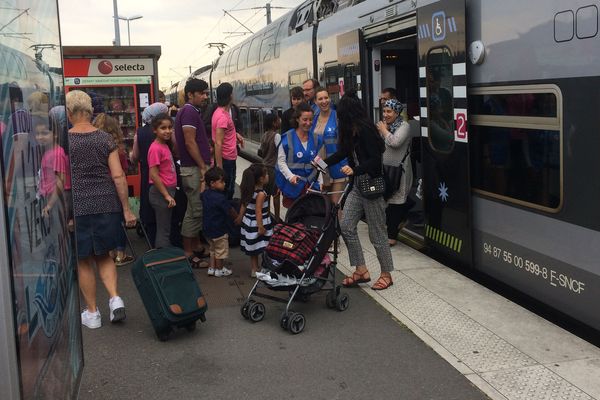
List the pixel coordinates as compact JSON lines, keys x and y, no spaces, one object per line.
{"x":163,"y":336}
{"x":191,"y":327}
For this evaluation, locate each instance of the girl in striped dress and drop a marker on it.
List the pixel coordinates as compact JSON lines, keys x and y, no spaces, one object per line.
{"x":256,"y":222}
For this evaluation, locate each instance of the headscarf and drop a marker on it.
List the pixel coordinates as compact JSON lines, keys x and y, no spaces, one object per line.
{"x":394,"y":105}
{"x":398,"y":108}
{"x":153,"y":110}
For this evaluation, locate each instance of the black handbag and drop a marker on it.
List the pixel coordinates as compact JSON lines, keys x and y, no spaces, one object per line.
{"x":393,"y":176}
{"x":370,"y":188}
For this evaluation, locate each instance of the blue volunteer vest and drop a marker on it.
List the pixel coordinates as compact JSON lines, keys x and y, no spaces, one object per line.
{"x":330,"y":140}
{"x":298,"y":161}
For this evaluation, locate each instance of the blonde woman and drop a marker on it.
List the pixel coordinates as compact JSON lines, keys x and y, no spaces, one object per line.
{"x":100,"y":201}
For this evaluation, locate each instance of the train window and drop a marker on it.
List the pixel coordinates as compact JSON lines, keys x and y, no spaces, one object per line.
{"x":514,"y":104}
{"x":267,"y":47}
{"x":587,"y":22}
{"x":243,"y":58}
{"x":245,"y":121}
{"x":515,"y":144}
{"x":227,"y":62}
{"x":281,"y":33}
{"x":253,"y":52}
{"x":440,"y":100}
{"x":564,"y":26}
{"x":297,"y":77}
{"x":233,"y":60}
{"x":255,"y":122}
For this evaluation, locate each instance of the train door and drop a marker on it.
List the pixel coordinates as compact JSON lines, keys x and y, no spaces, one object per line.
{"x":442,"y":77}
{"x":393,"y":60}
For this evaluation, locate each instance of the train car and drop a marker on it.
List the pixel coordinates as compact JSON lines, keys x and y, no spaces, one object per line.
{"x":506,"y":100}
{"x":41,"y":354}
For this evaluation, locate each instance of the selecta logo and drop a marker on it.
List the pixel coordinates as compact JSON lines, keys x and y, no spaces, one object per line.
{"x":105,"y":67}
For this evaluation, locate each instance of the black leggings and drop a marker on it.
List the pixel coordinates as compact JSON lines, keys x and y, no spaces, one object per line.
{"x":395,"y":214}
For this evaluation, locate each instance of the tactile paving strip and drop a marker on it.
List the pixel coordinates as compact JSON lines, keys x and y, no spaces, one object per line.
{"x":508,"y":370}
{"x":534,"y":383}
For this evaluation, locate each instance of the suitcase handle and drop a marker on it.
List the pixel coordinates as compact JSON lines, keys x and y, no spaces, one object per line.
{"x":137,"y":226}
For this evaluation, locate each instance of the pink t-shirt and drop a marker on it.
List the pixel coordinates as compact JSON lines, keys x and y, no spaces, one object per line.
{"x":222,"y":119}
{"x":159,"y":155}
{"x":54,"y":161}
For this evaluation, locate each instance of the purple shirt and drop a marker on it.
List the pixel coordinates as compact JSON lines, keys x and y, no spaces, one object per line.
{"x":189,"y":116}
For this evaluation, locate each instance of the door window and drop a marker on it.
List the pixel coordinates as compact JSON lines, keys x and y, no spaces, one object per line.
{"x":440,"y":100}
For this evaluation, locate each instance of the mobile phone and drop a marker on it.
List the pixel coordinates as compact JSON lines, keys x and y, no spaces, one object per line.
{"x":320,"y":164}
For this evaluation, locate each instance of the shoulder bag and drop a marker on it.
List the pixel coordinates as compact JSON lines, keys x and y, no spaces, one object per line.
{"x":393,"y":176}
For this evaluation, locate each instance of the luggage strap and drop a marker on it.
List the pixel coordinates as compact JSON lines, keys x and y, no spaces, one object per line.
{"x":170,"y":260}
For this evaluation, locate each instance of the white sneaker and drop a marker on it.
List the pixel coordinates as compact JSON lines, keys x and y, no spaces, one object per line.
{"x":91,"y":320}
{"x":223,"y":272}
{"x":117,"y":309}
{"x":211,"y":271}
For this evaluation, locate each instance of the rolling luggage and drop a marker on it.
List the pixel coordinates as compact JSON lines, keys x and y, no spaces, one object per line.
{"x":169,"y":291}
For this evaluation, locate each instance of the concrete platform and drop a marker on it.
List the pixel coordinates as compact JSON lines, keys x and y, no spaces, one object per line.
{"x":361,"y":353}
{"x":505,"y":350}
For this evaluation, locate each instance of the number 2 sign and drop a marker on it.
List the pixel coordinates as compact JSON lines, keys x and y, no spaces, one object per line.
{"x":461,"y":128}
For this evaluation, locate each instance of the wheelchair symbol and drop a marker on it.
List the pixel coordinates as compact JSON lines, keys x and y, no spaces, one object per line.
{"x":438,"y":22}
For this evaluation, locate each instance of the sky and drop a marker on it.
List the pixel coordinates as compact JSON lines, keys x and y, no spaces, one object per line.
{"x":182,"y":28}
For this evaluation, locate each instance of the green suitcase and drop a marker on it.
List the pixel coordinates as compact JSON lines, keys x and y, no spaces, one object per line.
{"x":169,"y":291}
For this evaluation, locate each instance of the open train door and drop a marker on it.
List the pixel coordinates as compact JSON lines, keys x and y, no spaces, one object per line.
{"x":443,"y":93}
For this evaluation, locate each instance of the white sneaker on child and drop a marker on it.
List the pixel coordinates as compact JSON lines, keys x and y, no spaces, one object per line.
{"x":211,"y":271}
{"x":90,"y":319}
{"x":117,"y":309}
{"x":223,"y":272}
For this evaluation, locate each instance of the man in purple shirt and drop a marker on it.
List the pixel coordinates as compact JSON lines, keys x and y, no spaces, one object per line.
{"x":194,"y":155}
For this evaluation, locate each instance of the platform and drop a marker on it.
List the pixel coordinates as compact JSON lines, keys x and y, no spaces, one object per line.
{"x":505,"y":350}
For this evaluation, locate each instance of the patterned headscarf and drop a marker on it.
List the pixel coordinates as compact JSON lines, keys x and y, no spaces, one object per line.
{"x":394,"y":105}
{"x":153,"y":110}
{"x":398,"y":108}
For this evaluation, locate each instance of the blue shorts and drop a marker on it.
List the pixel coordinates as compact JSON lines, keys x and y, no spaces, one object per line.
{"x":97,"y":234}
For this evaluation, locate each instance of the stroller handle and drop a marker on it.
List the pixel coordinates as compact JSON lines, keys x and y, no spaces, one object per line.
{"x":345,"y":192}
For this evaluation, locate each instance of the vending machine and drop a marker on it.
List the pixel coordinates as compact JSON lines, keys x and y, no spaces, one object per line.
{"x":122,"y":81}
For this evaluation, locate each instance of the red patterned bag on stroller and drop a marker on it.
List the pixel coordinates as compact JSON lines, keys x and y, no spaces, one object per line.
{"x":292,"y":242}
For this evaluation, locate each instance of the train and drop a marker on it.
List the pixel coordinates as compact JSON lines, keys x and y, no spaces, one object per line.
{"x":506,"y":101}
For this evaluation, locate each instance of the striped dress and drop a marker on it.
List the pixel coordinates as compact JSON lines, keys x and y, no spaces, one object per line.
{"x":251,"y":243}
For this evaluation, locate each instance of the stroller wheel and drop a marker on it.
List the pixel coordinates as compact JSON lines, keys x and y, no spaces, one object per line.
{"x":245,"y":307}
{"x":330,"y":300}
{"x":296,"y":323}
{"x":256,"y":312}
{"x":283,"y":321}
{"x":342,"y":301}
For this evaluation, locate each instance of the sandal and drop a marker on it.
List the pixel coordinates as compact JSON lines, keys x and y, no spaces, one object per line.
{"x":121,"y":261}
{"x":197,"y":263}
{"x":201,"y":253}
{"x":356,"y":278}
{"x":382,"y":283}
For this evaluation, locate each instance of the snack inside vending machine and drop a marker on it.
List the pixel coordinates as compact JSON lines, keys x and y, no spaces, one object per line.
{"x":122,"y":81}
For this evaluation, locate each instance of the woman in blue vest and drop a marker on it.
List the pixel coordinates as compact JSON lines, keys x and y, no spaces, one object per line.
{"x":298,"y":147}
{"x":325,"y":125}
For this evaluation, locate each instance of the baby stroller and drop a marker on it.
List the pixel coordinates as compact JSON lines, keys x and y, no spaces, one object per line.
{"x":312,"y":220}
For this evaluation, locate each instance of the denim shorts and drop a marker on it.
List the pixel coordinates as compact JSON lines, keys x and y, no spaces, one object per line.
{"x":97,"y":234}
